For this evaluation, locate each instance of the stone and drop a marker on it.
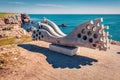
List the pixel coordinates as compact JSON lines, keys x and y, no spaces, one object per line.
{"x":15,"y":58}
{"x":25,"y":18}
{"x":32,"y":22}
{"x":67,"y":50}
{"x":63,"y":25}
{"x":2,"y":62}
{"x":8,"y":20}
{"x":1,"y":36}
{"x":12,"y":26}
{"x":18,"y":36}
{"x":2,"y":23}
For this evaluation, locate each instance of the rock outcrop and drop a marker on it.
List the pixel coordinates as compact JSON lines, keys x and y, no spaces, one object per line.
{"x":2,"y":23}
{"x":25,"y":18}
{"x":12,"y":25}
{"x":14,"y":19}
{"x":115,"y":42}
{"x":16,"y":31}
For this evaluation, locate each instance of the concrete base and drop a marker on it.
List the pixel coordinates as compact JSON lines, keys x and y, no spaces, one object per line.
{"x":63,"y":49}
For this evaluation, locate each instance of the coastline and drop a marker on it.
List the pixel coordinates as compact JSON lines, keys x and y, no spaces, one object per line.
{"x":25,"y":59}
{"x":59,"y":40}
{"x":73,"y":20}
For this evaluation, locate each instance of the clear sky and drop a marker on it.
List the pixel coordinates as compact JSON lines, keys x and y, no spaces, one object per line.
{"x":61,"y":6}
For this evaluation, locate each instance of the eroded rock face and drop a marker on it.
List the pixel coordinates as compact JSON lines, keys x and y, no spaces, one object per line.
{"x":15,"y":19}
{"x":25,"y":18}
{"x":2,"y":23}
{"x":12,"y":25}
{"x":13,"y":32}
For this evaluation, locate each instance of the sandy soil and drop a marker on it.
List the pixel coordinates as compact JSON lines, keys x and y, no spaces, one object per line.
{"x":39,"y":63}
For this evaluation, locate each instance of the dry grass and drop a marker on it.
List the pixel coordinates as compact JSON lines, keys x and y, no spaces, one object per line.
{"x":14,"y":40}
{"x":7,"y":40}
{"x":8,"y":53}
{"x":2,"y":15}
{"x":23,"y":39}
{"x":8,"y":58}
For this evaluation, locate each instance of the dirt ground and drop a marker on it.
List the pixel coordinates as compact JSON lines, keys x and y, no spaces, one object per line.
{"x":37,"y":62}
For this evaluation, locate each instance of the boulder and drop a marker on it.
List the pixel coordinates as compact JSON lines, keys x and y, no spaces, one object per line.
{"x":18,"y":36}
{"x":63,"y":25}
{"x":11,"y":26}
{"x":14,"y":19}
{"x":2,"y":23}
{"x":25,"y":18}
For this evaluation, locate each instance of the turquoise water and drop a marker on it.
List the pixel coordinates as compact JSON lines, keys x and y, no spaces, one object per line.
{"x":73,"y":20}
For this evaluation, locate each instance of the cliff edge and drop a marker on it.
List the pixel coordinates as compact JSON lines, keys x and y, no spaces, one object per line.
{"x":11,"y":24}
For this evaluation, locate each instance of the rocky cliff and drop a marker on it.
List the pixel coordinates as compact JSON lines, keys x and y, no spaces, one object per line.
{"x":25,"y":18}
{"x":14,"y":19}
{"x":12,"y":25}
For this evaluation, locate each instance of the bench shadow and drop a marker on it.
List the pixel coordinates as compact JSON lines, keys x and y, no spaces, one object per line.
{"x":118,"y":52}
{"x":59,"y":60}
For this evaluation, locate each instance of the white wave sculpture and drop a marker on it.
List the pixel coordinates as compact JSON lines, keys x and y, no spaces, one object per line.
{"x":89,"y":34}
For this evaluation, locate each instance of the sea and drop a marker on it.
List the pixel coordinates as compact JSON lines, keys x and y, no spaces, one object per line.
{"x":73,"y":20}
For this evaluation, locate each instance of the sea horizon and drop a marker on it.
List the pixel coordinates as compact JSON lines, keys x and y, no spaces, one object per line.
{"x":73,"y":20}
{"x":71,"y":14}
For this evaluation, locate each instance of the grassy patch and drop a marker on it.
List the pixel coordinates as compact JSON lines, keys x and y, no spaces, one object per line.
{"x":23,"y":39}
{"x":2,"y":15}
{"x":14,"y":40}
{"x":8,"y":40}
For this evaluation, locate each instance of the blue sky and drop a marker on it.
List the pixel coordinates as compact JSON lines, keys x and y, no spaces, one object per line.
{"x":61,"y":6}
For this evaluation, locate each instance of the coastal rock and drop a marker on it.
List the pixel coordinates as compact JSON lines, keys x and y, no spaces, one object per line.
{"x":1,"y":62}
{"x":14,"y":32}
{"x":25,"y":18}
{"x":14,"y":19}
{"x":11,"y":25}
{"x":2,"y":23}
{"x":32,"y":22}
{"x":18,"y":36}
{"x":8,"y":20}
{"x":115,"y":42}
{"x":63,"y":25}
{"x":0,"y":36}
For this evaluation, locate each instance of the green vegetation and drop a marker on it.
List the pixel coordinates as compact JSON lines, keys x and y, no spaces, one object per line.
{"x":9,"y":55}
{"x":23,"y":39}
{"x":2,"y":15}
{"x":14,"y":40}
